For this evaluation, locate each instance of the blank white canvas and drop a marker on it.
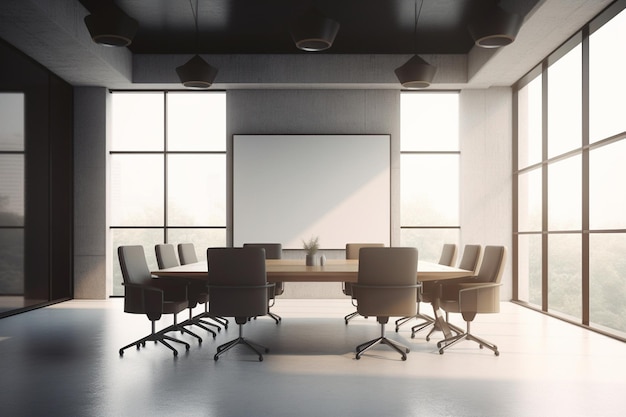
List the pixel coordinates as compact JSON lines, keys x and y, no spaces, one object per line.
{"x":288,"y":188}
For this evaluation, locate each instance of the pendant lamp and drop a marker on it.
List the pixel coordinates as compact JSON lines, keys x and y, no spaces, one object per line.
{"x":313,"y":31}
{"x":495,"y":28}
{"x":111,"y":27}
{"x":196,"y":73}
{"x":416,"y":73}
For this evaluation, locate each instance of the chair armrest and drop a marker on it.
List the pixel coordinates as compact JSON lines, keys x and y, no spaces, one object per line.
{"x":174,"y":289}
{"x":139,"y":298}
{"x":480,"y":297}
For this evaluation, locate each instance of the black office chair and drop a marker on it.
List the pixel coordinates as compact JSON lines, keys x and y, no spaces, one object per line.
{"x":152,"y":297}
{"x":272,"y":251}
{"x":238,"y":288}
{"x":386,"y":287}
{"x":187,"y":255}
{"x":197,"y":291}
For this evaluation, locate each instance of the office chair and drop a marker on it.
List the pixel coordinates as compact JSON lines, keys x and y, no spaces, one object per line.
{"x":272,"y":251}
{"x":238,"y":288}
{"x":352,"y":252}
{"x":480,"y":295}
{"x":446,"y":258}
{"x":152,"y":297}
{"x":197,"y":291}
{"x":469,"y":261}
{"x":386,"y":287}
{"x":187,"y":255}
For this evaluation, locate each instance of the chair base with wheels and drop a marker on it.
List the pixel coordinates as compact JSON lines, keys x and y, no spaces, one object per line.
{"x":159,"y":337}
{"x":364,"y":347}
{"x":257,"y":348}
{"x":467,"y":335}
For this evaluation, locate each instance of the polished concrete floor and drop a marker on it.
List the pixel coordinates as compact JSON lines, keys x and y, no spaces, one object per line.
{"x":63,"y":361}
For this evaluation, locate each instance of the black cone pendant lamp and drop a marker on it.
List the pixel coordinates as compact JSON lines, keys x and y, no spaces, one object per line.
{"x":313,"y":31}
{"x":495,"y":27}
{"x":416,"y":73}
{"x":111,"y":27}
{"x":196,"y":73}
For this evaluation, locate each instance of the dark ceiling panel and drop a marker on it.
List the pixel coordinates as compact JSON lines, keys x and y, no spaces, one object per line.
{"x":262,"y":26}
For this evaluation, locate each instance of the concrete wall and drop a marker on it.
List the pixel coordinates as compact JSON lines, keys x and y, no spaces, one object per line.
{"x":486,"y":181}
{"x":90,"y":207}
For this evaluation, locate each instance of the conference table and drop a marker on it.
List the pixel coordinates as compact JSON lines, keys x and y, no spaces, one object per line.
{"x":334,"y":270}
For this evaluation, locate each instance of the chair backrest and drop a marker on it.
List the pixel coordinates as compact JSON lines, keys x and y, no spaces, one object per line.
{"x":187,"y":253}
{"x":447,"y":254}
{"x":236,"y":269}
{"x":352,"y":249}
{"x":492,"y":265}
{"x":272,"y":250}
{"x":470,"y":257}
{"x":166,"y":255}
{"x":133,"y":264}
{"x":387,"y":267}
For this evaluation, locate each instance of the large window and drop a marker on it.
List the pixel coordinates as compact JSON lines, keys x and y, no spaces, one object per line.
{"x":11,"y":200}
{"x":168,"y":171}
{"x":429,"y":171}
{"x":571,"y":232}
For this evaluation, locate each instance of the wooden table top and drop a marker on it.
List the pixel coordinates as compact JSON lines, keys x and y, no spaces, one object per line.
{"x":334,"y":270}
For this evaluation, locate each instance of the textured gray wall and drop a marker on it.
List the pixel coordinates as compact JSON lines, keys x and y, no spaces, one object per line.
{"x":486,"y":181}
{"x":90,"y":162}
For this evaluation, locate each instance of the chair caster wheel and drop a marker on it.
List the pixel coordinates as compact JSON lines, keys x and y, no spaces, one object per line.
{"x":496,"y":353}
{"x":441,"y":351}
{"x":121,"y":352}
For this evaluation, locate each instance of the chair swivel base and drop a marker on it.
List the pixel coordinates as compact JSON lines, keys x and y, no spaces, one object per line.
{"x":418,"y":316}
{"x":350,"y":316}
{"x":364,"y":347}
{"x":274,"y":316}
{"x":241,"y":341}
{"x":159,"y":337}
{"x":446,"y":343}
{"x":221,"y":320}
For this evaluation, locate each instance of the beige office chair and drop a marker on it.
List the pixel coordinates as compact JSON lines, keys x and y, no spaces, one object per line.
{"x":469,"y":261}
{"x":197,"y":291}
{"x":272,"y":251}
{"x":352,"y":252}
{"x":238,"y":288}
{"x":152,"y":297}
{"x":386,"y":287}
{"x":480,"y":295}
{"x":447,"y":256}
{"x":187,"y":255}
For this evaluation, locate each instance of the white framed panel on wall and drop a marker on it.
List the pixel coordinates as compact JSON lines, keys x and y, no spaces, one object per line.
{"x":288,"y":188}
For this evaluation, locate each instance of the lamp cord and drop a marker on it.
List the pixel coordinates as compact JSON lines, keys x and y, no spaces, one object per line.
{"x":195,"y":18}
{"x":417,"y":16}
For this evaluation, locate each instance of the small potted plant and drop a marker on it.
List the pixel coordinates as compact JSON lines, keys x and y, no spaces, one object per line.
{"x":311,"y":247}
